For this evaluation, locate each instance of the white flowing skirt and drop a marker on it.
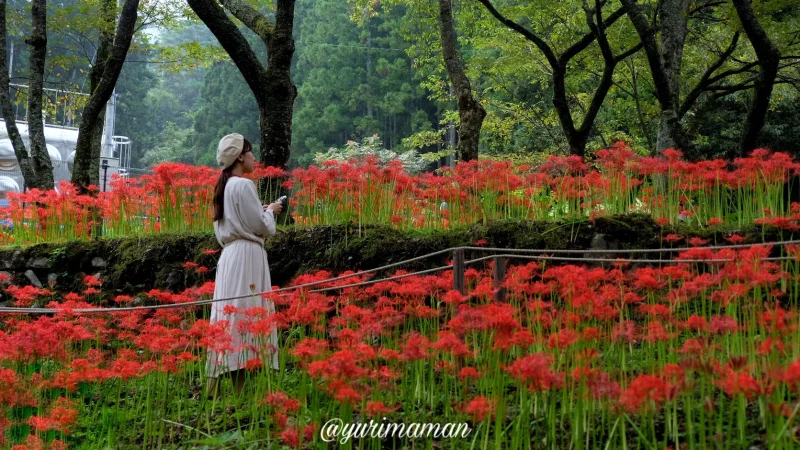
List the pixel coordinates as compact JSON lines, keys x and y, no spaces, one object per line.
{"x":242,"y":264}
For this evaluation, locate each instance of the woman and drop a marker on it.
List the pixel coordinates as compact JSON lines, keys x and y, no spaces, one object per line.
{"x":240,"y":225}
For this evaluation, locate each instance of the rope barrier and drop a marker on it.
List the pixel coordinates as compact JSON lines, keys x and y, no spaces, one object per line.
{"x":619,"y":260}
{"x":6,"y":309}
{"x":12,"y":310}
{"x":632,"y":250}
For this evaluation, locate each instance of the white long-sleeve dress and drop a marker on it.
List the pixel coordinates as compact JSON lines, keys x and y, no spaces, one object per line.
{"x":242,"y":269}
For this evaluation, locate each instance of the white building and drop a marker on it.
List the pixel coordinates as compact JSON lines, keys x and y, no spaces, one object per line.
{"x":61,"y":141}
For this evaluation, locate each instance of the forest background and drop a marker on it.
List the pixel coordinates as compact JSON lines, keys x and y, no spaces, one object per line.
{"x":368,"y":68}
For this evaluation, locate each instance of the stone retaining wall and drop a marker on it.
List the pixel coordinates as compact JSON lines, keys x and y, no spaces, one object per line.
{"x":133,"y":265}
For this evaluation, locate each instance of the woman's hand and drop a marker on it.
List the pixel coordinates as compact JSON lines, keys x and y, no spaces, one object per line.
{"x":276,"y":207}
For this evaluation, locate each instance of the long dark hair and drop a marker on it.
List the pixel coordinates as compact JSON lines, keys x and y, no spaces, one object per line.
{"x":222,"y":181}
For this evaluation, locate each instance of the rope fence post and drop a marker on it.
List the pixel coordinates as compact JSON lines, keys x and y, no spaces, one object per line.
{"x":458,"y":270}
{"x":499,"y":273}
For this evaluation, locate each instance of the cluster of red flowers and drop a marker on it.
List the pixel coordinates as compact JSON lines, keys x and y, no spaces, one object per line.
{"x":692,"y":335}
{"x":178,"y":197}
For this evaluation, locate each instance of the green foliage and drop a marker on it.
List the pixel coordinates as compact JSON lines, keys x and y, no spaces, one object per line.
{"x":226,"y":105}
{"x":170,"y":147}
{"x":372,"y":146}
{"x":364,"y":67}
{"x":354,"y":80}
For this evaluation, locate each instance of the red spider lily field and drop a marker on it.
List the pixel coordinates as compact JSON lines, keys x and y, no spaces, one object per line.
{"x":701,"y":351}
{"x":688,"y":355}
{"x":178,"y":197}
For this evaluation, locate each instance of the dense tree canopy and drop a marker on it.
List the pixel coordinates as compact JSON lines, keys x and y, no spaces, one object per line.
{"x":363,"y":68}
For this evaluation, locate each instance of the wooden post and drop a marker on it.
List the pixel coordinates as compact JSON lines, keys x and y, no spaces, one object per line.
{"x":458,"y":270}
{"x":499,"y":279}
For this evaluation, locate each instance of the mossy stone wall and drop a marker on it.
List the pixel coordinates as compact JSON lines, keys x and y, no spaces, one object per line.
{"x":136,"y":264}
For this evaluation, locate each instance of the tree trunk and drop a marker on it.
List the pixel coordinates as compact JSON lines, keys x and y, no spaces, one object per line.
{"x":95,"y":76}
{"x":36,"y":167}
{"x":86,"y":169}
{"x":280,"y":93}
{"x":38,"y":43}
{"x":664,"y":64}
{"x":768,"y":59}
{"x":576,"y":138}
{"x":470,"y":112}
{"x":674,"y":20}
{"x":272,"y":86}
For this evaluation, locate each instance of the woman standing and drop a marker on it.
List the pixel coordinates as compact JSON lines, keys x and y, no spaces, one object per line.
{"x":240,"y":224}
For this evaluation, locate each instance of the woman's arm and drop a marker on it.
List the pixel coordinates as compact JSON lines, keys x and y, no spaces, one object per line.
{"x":260,"y":222}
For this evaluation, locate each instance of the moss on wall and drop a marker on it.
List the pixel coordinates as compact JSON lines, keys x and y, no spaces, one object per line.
{"x":131,"y":265}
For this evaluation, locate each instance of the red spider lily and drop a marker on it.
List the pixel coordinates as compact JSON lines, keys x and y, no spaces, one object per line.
{"x":281,"y":402}
{"x":723,"y":324}
{"x":25,"y":296}
{"x":205,"y":290}
{"x":12,"y":391}
{"x":792,"y":375}
{"x":290,"y":437}
{"x":697,"y":323}
{"x":279,"y":419}
{"x":342,"y":364}
{"x":645,"y":392}
{"x":376,"y":409}
{"x":343,"y":393}
{"x":454,"y":297}
{"x":450,"y":343}
{"x":309,"y":348}
{"x":563,"y":339}
{"x":736,"y":239}
{"x":625,"y":331}
{"x":479,"y":407}
{"x":468,"y":372}
{"x":534,"y":371}
{"x":159,"y":339}
{"x":61,"y":417}
{"x":739,"y":382}
{"x":92,"y":281}
{"x":123,"y":299}
{"x":43,"y":338}
{"x":697,"y":241}
{"x":771,"y":345}
{"x":416,"y":347}
{"x":656,"y":332}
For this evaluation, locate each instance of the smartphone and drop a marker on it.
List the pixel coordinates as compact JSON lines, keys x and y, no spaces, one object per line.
{"x":282,"y":199}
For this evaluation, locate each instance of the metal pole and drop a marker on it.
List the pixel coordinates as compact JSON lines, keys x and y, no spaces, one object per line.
{"x":105,"y":173}
{"x":11,"y":63}
{"x":458,"y":270}
{"x":499,"y":279}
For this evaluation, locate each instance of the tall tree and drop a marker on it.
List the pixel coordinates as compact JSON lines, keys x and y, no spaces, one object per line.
{"x":664,"y":62}
{"x":576,"y":137}
{"x":470,"y":112}
{"x":769,"y":58}
{"x":271,"y":86}
{"x":37,"y":169}
{"x":110,"y":58}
